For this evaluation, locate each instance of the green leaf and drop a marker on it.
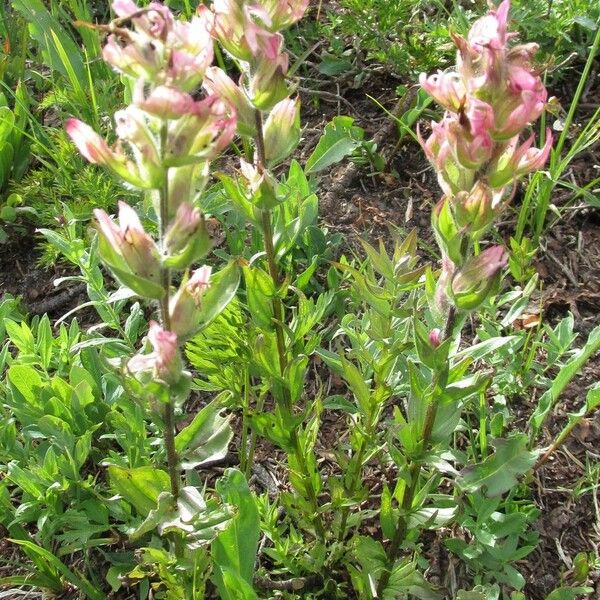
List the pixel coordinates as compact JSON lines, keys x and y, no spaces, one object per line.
{"x":46,"y":30}
{"x":565,"y":375}
{"x":27,"y":381}
{"x":358,"y":386}
{"x":386,"y":517}
{"x":337,"y":142}
{"x":498,"y":473}
{"x":73,"y":578}
{"x":478,"y":351}
{"x":260,"y":292}
{"x":222,"y":289}
{"x":567,"y":593}
{"x":206,"y":438}
{"x":234,"y":549}
{"x":141,"y":486}
{"x":20,"y":335}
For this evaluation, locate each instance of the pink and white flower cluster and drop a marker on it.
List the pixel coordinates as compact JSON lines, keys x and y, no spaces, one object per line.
{"x":166,"y":140}
{"x":493,"y":95}
{"x":250,"y":32}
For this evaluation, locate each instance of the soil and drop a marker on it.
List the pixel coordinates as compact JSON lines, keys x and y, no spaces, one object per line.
{"x":359,"y":204}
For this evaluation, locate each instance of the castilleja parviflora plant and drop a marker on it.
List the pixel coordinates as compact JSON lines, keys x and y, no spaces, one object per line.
{"x":491,"y":98}
{"x":166,"y":141}
{"x":184,"y":113}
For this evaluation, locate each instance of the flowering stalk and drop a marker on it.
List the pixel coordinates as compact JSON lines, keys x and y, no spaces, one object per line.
{"x":166,"y":140}
{"x":490,"y":99}
{"x":250,"y":33}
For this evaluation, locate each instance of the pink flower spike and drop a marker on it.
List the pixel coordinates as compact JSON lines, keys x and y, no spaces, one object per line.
{"x":91,"y":145}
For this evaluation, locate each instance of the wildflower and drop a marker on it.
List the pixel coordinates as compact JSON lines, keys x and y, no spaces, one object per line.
{"x":130,"y":252}
{"x":282,"y":130}
{"x":218,"y":83}
{"x":95,"y":149}
{"x":473,"y":282}
{"x":164,"y":362}
{"x":185,"y":305}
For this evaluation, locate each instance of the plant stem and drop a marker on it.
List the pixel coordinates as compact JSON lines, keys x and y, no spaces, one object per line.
{"x":165,"y":275}
{"x":260,"y":403}
{"x":354,"y":475}
{"x":415,"y":469}
{"x":277,"y":305}
{"x":244,"y":462}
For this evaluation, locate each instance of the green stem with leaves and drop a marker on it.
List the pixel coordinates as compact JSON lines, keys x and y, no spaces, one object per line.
{"x":415,"y":468}
{"x":284,"y":399}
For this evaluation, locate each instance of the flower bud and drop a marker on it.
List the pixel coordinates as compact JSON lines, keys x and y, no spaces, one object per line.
{"x":130,"y":252}
{"x":435,"y":337}
{"x":235,"y":27}
{"x":473,"y":282}
{"x":164,"y":362}
{"x":131,"y":127}
{"x":141,"y":59}
{"x":473,"y":209}
{"x":268,"y":86}
{"x":164,"y":101}
{"x":187,"y":239}
{"x":185,"y":305}
{"x":284,"y":13}
{"x":517,"y":161}
{"x":217,"y":82}
{"x":282,"y":131}
{"x":191,"y":51}
{"x":490,"y":31}
{"x":185,"y":184}
{"x":155,"y":21}
{"x":94,"y":149}
{"x":261,"y":186}
{"x":201,"y":134}
{"x":447,"y":89}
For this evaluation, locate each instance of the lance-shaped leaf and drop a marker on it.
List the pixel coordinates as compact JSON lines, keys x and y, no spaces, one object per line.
{"x":340,"y":139}
{"x":206,"y":438}
{"x":499,"y":472}
{"x":234,"y":550}
{"x":565,"y":375}
{"x":141,"y":487}
{"x":223,"y":286}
